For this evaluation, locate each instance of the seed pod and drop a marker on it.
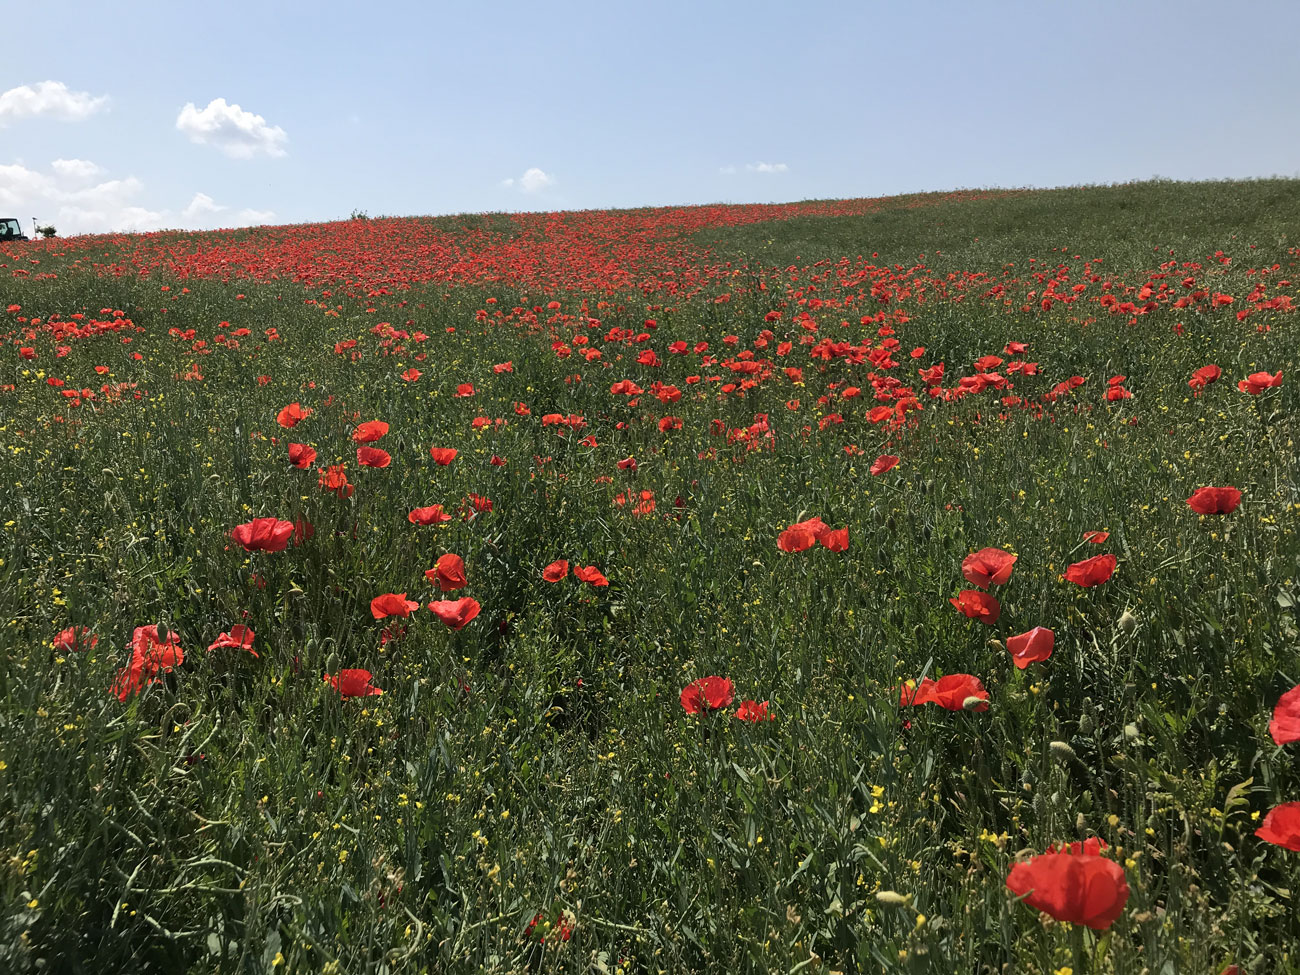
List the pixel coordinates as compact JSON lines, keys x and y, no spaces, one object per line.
{"x":893,"y":898}
{"x":1063,"y":751}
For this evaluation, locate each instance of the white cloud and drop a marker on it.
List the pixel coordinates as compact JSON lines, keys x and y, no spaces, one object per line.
{"x":237,"y":133}
{"x":48,"y":99}
{"x":202,"y":206}
{"x":17,"y":185}
{"x":762,"y":167}
{"x":75,"y":168}
{"x":67,"y":196}
{"x":533,"y":181}
{"x":727,"y":170}
{"x":248,"y":217}
{"x":202,"y":211}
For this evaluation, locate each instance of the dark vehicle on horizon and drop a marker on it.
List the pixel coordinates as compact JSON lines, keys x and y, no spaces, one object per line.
{"x":10,"y":229}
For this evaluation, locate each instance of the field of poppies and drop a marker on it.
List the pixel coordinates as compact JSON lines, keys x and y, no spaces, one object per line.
{"x":900,"y":584}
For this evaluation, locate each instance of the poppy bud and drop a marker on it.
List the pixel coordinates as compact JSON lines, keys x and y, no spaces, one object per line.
{"x":974,"y":703}
{"x":1131,"y":731}
{"x":163,"y":632}
{"x":893,"y":898}
{"x":1062,"y":750}
{"x":995,"y":644}
{"x":1027,"y":781}
{"x":1086,"y":725}
{"x":332,"y":663}
{"x":1127,"y":622}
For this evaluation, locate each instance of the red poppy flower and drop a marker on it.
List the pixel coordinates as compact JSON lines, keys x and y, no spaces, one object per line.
{"x":707,"y":694}
{"x":590,"y":574}
{"x":836,"y":540}
{"x":501,"y":367}
{"x":1285,"y":726}
{"x":1282,"y":826}
{"x":353,"y":683}
{"x":388,"y":634}
{"x":442,"y":456}
{"x":1091,"y":572}
{"x":428,"y":516}
{"x":1257,"y":382}
{"x":813,"y":524}
{"x":150,"y":656}
{"x":802,"y":535}
{"x":412,"y":374}
{"x":1205,"y":375}
{"x":556,"y":571}
{"x":456,"y":612}
{"x":292,"y":415}
{"x":477,"y":504}
{"x":448,"y":572}
{"x":626,"y":464}
{"x":263,"y":535}
{"x":240,"y":637}
{"x":562,"y":931}
{"x":753,"y":711}
{"x":392,"y":604}
{"x":988,"y":567}
{"x":74,"y":639}
{"x":128,"y":682}
{"x":1214,"y":500}
{"x":497,"y":461}
{"x":464,"y":390}
{"x":373,"y":457}
{"x":885,"y":462}
{"x":1096,"y":537}
{"x":795,"y":540}
{"x":978,"y":605}
{"x":1028,"y":647}
{"x":369,"y":431}
{"x":335,"y":479}
{"x":1082,"y":889}
{"x":301,"y":455}
{"x":956,"y":692}
{"x":164,"y":653}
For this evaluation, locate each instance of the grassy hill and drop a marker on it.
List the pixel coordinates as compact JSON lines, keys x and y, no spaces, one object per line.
{"x":765,"y":443}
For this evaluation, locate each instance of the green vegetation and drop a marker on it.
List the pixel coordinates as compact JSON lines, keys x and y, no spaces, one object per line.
{"x":238,"y":815}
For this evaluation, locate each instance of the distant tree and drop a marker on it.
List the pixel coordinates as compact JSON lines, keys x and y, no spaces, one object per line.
{"x":359,"y":215}
{"x":47,"y":231}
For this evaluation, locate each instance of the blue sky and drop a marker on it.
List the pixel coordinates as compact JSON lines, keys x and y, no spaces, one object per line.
{"x":422,"y":107}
